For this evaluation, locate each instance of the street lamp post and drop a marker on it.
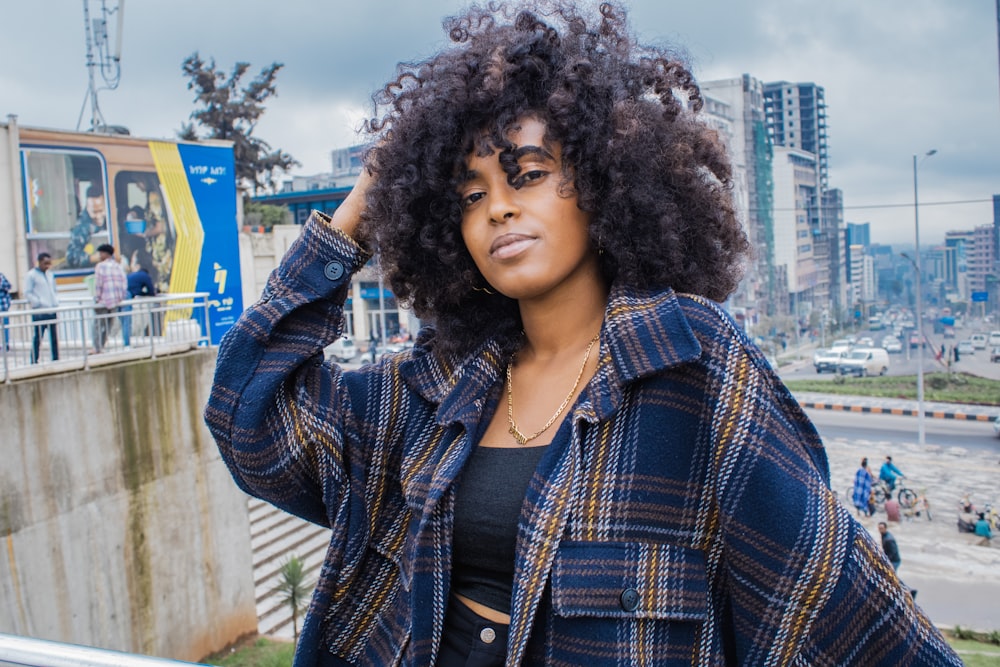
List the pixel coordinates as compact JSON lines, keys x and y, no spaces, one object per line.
{"x":921,"y":432}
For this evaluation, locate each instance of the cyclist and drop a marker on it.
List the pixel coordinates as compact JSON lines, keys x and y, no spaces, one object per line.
{"x":889,"y":473}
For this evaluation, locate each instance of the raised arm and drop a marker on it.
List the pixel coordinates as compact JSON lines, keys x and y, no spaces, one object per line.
{"x":278,"y":413}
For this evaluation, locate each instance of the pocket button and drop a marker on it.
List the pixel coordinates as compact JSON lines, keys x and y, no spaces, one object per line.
{"x":630,"y":599}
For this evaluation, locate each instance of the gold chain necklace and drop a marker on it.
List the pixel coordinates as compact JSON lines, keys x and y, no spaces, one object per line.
{"x":521,"y":438}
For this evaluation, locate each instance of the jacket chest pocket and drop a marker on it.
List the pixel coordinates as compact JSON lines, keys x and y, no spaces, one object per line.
{"x":627,"y":603}
{"x":629,"y":580}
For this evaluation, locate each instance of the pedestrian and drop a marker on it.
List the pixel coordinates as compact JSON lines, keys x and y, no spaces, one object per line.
{"x":140,"y":284}
{"x":373,"y":345}
{"x":110,"y":289}
{"x":889,"y":545}
{"x":984,"y":530}
{"x":5,"y":289}
{"x":862,"y":496}
{"x":889,"y":473}
{"x":40,"y":291}
{"x":583,"y":459}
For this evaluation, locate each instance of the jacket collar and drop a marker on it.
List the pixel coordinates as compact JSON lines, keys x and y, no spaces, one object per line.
{"x":644,"y":332}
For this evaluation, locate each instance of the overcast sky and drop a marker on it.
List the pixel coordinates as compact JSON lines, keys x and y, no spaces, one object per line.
{"x":901,"y":77}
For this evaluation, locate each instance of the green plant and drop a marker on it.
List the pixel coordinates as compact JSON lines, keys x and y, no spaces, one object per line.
{"x":963,"y":633}
{"x":839,"y":379}
{"x":294,"y":590}
{"x":937,"y":382}
{"x":256,"y":652}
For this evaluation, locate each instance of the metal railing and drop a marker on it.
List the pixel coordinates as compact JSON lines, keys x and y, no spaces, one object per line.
{"x":30,"y":652}
{"x":81,"y":335}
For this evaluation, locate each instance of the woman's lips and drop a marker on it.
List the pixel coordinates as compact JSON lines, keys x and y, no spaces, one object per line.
{"x":509,"y":245}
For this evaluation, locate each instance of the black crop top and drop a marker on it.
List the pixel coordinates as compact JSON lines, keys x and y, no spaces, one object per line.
{"x":487,"y":509}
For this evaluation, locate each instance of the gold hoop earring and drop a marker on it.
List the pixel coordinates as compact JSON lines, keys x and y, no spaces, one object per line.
{"x":487,"y":290}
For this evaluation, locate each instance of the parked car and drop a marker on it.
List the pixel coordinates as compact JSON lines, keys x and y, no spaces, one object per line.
{"x":892,"y":344}
{"x":342,"y":349}
{"x":995,"y":354}
{"x":871,"y":361}
{"x":965,"y":347}
{"x":827,"y":360}
{"x":978,"y":341}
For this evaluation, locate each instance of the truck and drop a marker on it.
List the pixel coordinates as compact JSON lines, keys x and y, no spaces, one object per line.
{"x":169,"y":205}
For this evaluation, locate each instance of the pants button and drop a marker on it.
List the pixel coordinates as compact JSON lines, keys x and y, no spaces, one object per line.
{"x":487,"y":635}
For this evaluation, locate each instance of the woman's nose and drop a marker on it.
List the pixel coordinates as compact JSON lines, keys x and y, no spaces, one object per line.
{"x":503,"y":205}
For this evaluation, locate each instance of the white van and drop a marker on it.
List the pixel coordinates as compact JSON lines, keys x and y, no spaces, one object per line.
{"x":978,"y":341}
{"x":342,"y":349}
{"x":869,"y":361}
{"x":994,"y":339}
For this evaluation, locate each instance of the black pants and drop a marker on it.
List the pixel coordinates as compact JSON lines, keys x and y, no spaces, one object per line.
{"x":469,"y":640}
{"x":49,"y":321}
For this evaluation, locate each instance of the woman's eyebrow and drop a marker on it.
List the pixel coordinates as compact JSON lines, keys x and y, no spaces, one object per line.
{"x":521,"y":151}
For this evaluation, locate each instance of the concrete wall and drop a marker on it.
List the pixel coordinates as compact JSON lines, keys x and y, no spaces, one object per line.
{"x":122,"y":528}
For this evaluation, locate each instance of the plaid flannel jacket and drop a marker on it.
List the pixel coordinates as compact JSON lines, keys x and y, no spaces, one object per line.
{"x":687,"y":520}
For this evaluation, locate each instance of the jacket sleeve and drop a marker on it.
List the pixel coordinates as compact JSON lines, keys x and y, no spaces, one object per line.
{"x":806,"y":584}
{"x":279,"y":414}
{"x":31,"y":289}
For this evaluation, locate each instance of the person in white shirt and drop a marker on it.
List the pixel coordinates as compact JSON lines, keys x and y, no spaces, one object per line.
{"x":40,"y":291}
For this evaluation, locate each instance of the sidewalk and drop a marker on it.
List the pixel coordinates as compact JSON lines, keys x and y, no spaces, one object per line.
{"x":896,"y":406}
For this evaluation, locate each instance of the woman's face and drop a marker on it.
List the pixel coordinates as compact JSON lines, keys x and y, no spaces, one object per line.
{"x":528,"y":238}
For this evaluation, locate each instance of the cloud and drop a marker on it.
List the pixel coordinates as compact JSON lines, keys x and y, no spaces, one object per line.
{"x":901,"y":77}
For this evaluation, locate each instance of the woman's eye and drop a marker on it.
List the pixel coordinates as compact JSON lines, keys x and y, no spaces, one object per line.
{"x":471,"y":198}
{"x":528,"y":177}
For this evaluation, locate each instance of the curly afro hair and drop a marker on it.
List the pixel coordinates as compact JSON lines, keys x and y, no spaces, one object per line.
{"x":654,"y":178}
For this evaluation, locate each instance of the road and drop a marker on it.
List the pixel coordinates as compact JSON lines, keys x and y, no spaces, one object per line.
{"x":905,"y":363}
{"x":969,"y":435}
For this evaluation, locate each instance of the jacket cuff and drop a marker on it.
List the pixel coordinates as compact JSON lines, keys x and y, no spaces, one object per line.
{"x":319,"y":263}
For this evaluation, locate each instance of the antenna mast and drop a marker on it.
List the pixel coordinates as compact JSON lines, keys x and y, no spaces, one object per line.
{"x":100,"y":56}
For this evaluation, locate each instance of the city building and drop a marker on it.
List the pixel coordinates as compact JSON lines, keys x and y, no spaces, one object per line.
{"x":751,"y":155}
{"x":720,"y":116}
{"x":794,"y":192}
{"x":864,"y":282}
{"x":982,"y":258}
{"x":795,"y":116}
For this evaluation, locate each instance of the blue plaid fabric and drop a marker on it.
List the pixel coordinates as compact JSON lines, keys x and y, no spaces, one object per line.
{"x":4,"y":293}
{"x":687,"y":520}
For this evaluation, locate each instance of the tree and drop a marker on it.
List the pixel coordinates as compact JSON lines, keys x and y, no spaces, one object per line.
{"x":265,"y":215}
{"x":294,"y":590}
{"x":230,"y":110}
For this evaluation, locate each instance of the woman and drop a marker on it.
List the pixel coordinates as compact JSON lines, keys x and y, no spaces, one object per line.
{"x":582,"y":460}
{"x":862,"y":495}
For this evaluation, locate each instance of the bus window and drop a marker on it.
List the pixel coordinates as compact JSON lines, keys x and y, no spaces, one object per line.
{"x":65,"y":205}
{"x":145,"y":230}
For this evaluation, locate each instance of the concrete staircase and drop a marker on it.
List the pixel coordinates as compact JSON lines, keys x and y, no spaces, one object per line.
{"x":274,"y":537}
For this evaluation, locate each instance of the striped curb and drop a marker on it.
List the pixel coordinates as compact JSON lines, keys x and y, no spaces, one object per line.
{"x":905,"y":412}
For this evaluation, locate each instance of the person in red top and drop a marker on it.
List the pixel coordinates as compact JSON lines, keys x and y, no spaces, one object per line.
{"x":110,"y":289}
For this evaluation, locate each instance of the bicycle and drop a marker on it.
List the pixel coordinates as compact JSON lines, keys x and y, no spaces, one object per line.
{"x":879,"y":494}
{"x":914,"y":504}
